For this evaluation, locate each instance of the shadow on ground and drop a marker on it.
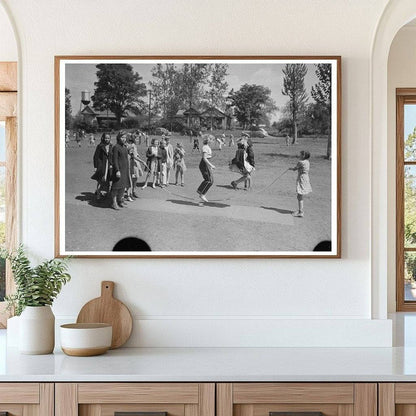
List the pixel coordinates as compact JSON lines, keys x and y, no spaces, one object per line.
{"x":279,"y":210}
{"x":90,"y":198}
{"x":196,"y":204}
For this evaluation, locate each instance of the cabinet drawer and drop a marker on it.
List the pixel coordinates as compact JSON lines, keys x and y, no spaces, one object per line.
{"x":21,"y":399}
{"x":297,"y":399}
{"x":107,"y":399}
{"x":397,"y":399}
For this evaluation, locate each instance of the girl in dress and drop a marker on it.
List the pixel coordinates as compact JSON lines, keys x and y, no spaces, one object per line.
{"x":241,"y":165}
{"x":303,"y":185}
{"x":179,"y":164}
{"x":135,"y":167}
{"x":152,"y":163}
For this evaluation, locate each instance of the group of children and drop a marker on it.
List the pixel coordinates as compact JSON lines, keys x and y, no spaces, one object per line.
{"x":162,"y":160}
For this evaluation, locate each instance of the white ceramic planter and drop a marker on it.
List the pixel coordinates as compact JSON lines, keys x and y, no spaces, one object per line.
{"x":37,"y":330}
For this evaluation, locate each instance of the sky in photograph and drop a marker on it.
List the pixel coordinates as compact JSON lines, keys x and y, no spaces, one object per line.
{"x":409,"y":119}
{"x":80,"y":77}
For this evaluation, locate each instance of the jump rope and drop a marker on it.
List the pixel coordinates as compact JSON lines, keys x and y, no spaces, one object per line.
{"x":146,"y":168}
{"x":232,"y":197}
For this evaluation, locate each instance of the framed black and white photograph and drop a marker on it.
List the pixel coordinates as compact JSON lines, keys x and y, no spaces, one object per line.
{"x":198,"y":156}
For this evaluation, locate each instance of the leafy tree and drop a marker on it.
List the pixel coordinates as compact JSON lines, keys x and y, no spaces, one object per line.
{"x":252,"y":103}
{"x":410,"y":192}
{"x":193,"y":79}
{"x":166,"y":87}
{"x":321,"y":93}
{"x":294,"y":88}
{"x":68,"y":109}
{"x":118,"y":89}
{"x":217,"y":85}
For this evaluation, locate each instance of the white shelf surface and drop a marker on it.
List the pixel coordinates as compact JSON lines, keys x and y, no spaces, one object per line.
{"x":212,"y":365}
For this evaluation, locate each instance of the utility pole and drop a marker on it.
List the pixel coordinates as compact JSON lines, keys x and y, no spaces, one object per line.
{"x":150,"y":103}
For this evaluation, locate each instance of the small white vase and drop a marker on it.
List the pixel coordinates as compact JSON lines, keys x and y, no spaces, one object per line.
{"x":37,"y":330}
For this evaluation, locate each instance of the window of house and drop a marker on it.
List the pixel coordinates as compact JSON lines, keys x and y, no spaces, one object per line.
{"x":406,"y":199}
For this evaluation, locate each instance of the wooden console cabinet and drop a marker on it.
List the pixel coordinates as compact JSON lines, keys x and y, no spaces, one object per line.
{"x":297,"y":399}
{"x":27,"y":399}
{"x":107,"y":399}
{"x":208,"y":399}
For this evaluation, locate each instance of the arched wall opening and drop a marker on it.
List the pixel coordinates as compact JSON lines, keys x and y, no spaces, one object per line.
{"x":397,"y":14}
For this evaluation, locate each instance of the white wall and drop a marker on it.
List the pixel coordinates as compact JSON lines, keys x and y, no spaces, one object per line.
{"x":8,"y":46}
{"x":179,"y":302}
{"x":401,"y":74}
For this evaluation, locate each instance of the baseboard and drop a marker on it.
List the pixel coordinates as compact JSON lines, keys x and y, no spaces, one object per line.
{"x":148,"y":332}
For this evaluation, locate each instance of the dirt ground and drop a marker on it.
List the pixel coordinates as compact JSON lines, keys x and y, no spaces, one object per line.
{"x":171,"y":219}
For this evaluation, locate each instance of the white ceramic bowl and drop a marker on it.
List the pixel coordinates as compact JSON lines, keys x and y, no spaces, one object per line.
{"x":83,"y":340}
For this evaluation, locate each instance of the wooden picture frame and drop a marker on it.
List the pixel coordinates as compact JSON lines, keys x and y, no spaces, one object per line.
{"x":187,"y":94}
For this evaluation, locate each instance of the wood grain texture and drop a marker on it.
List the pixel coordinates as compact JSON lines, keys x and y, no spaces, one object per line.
{"x":31,"y":410}
{"x":27,"y":393}
{"x":405,"y":393}
{"x":171,"y":409}
{"x":11,"y":195}
{"x":207,"y":399}
{"x":57,"y":160}
{"x":11,"y":204}
{"x":138,"y":393}
{"x":59,"y":58}
{"x":47,"y":399}
{"x":400,"y":304}
{"x":264,"y":409}
{"x":13,"y":409}
{"x":224,"y":399}
{"x":107,"y":309}
{"x":8,"y":76}
{"x":252,"y":393}
{"x":8,"y":105}
{"x":386,"y":399}
{"x":90,"y":410}
{"x":66,"y":399}
{"x":345,"y":410}
{"x":365,"y":399}
{"x":191,"y":410}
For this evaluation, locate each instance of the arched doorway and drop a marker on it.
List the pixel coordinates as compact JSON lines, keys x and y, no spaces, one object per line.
{"x":396,"y":14}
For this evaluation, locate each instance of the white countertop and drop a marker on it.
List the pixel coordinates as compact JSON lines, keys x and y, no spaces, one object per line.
{"x":213,"y":364}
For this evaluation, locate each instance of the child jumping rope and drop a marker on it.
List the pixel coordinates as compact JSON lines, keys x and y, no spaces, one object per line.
{"x":303,"y":185}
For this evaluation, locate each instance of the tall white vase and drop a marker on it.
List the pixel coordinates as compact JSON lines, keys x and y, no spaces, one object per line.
{"x":37,"y":330}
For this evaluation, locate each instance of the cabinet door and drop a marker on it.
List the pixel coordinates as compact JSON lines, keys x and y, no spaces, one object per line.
{"x":27,"y":399}
{"x":144,"y":399}
{"x":296,"y":399}
{"x":397,"y":399}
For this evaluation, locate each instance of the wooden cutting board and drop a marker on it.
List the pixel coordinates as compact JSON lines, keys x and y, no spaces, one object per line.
{"x":107,"y":309}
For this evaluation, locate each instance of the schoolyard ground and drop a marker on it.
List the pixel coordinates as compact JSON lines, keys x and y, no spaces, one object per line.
{"x":171,"y":219}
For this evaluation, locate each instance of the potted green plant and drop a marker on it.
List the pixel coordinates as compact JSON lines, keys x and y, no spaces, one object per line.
{"x":36,"y":289}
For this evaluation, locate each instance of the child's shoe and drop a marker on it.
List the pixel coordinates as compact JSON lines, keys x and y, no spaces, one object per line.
{"x":298,"y":214}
